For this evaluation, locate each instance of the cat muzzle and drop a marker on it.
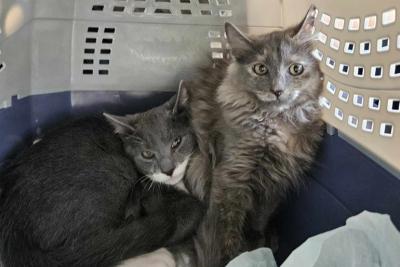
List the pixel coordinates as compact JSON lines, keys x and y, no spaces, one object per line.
{"x":277,"y":93}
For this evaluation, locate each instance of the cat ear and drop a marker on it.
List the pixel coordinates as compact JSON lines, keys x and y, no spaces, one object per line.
{"x":120,"y":123}
{"x":181,"y":99}
{"x":305,"y":30}
{"x":237,"y":40}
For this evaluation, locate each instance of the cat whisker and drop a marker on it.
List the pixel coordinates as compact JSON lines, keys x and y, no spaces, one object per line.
{"x":158,"y":186}
{"x":150,"y":184}
{"x":139,"y":180}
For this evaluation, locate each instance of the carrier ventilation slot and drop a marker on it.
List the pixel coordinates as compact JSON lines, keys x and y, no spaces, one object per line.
{"x":186,"y":12}
{"x":206,"y":12}
{"x":162,"y":11}
{"x":109,"y":30}
{"x":97,"y":55}
{"x":2,"y":66}
{"x":105,"y":51}
{"x":118,"y":8}
{"x":90,"y":40}
{"x":103,"y":72}
{"x":98,"y":8}
{"x":139,"y":10}
{"x":104,"y":61}
{"x":93,"y":29}
{"x":87,"y":72}
{"x":88,"y":61}
{"x":107,"y":40}
{"x":89,"y":51}
{"x":217,"y":43}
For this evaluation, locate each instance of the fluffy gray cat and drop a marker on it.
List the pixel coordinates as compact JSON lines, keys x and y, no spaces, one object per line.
{"x":258,"y":126}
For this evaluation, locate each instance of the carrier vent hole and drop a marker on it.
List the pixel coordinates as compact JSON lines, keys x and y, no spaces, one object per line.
{"x":396,"y":105}
{"x":162,"y":11}
{"x":90,"y":40}
{"x":206,"y":12}
{"x":204,"y":1}
{"x":104,"y":61}
{"x":368,"y":125}
{"x":93,"y":29}
{"x":88,"y":61}
{"x":374,"y":103}
{"x":164,"y":1}
{"x":105,"y":51}
{"x":98,"y":8}
{"x":388,"y":129}
{"x":376,"y":72}
{"x":109,"y":30}
{"x":185,"y":1}
{"x":87,"y":72}
{"x":103,"y":72}
{"x":186,"y":12}
{"x":118,"y":8}
{"x":2,"y":66}
{"x":217,"y":55}
{"x":89,"y":51}
{"x":107,"y":41}
{"x":139,"y":10}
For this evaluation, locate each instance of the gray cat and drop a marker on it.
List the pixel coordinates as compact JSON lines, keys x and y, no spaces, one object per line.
{"x":258,"y":126}
{"x":80,"y":196}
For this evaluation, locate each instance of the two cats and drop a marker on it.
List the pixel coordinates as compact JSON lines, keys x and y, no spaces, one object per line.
{"x":76,"y":198}
{"x":257,"y":122}
{"x":81,"y":196}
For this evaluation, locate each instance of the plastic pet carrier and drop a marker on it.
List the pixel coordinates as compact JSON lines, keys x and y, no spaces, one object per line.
{"x":64,"y":58}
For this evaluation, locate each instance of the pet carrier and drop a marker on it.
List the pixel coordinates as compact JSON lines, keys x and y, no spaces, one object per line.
{"x":64,"y":58}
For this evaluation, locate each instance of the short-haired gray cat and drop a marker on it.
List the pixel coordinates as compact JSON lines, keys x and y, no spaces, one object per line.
{"x":78,"y":198}
{"x":258,"y":116}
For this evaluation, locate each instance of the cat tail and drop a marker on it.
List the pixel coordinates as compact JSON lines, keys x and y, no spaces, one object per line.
{"x":207,"y":240}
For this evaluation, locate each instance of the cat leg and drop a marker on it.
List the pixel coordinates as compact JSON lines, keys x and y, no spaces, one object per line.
{"x":233,"y":212}
{"x":220,"y":236}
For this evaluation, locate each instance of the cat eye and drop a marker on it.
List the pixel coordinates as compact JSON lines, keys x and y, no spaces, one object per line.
{"x":296,"y":69}
{"x":147,"y":154}
{"x":260,"y":69}
{"x":176,"y":142}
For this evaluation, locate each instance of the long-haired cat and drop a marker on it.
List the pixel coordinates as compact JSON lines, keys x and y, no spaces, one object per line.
{"x":79,"y":197}
{"x":258,"y":117}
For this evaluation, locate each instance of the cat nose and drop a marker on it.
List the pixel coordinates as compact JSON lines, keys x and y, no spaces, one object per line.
{"x":167,"y":166}
{"x":278,"y":93}
{"x":169,"y":171}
